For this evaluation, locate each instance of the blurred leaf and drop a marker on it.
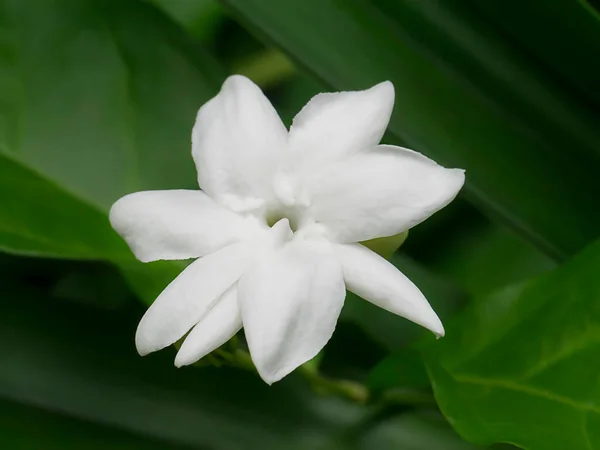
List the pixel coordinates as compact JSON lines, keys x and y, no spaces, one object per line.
{"x":542,"y":31}
{"x":199,"y":17}
{"x":488,"y":257}
{"x":413,"y":432}
{"x":75,"y":361}
{"x":404,"y":369}
{"x":395,"y":332}
{"x":38,"y":218}
{"x":53,"y":431}
{"x":465,"y":97}
{"x":522,"y":365}
{"x":291,"y":96}
{"x":97,"y":285}
{"x":148,"y":280}
{"x":97,"y":100}
{"x":267,"y":69}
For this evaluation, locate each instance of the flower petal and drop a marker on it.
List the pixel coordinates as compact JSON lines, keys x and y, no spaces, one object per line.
{"x":333,"y":125}
{"x":188,"y":298}
{"x":177,"y":224}
{"x":236,"y":143}
{"x":380,"y":193}
{"x":290,"y":304}
{"x":217,"y":326}
{"x":375,"y":279}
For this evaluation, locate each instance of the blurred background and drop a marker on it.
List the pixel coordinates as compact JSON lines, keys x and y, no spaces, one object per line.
{"x":98,"y":98}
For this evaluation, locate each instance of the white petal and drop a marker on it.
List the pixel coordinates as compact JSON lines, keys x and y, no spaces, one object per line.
{"x":177,"y":224}
{"x":188,"y":298}
{"x":333,"y":125}
{"x":217,"y":326}
{"x":380,"y":193}
{"x":375,"y":279}
{"x":290,"y":304}
{"x":237,"y":141}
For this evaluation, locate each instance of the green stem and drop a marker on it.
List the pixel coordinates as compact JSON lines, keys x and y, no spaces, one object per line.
{"x":400,"y":396}
{"x":351,"y":390}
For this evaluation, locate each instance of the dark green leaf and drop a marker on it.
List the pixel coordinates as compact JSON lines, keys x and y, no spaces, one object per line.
{"x":414,"y":432}
{"x":97,"y":100}
{"x":404,"y":369}
{"x":200,"y":18}
{"x":94,"y":284}
{"x":23,"y":427}
{"x":551,"y":33}
{"x":488,"y":257}
{"x":38,"y":218}
{"x":81,"y":362}
{"x":465,"y":97}
{"x":521,"y":366}
{"x":148,"y":280}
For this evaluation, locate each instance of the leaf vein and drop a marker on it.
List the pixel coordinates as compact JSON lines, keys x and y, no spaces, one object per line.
{"x":529,"y":390}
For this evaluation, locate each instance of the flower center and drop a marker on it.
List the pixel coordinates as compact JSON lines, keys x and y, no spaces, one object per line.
{"x":275,"y":216}
{"x":290,"y":202}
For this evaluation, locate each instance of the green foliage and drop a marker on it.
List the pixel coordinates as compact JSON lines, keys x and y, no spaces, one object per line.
{"x":94,"y":106}
{"x":54,"y":431}
{"x":521,"y":365}
{"x":39,"y":218}
{"x":83,"y":364}
{"x":416,"y":432}
{"x":97,"y":100}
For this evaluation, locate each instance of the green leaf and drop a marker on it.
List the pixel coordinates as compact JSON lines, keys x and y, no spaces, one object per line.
{"x":201,"y":18}
{"x":80,"y":362}
{"x":53,"y":431}
{"x":521,"y":366}
{"x":100,"y":285}
{"x":39,"y":218}
{"x":543,"y":32}
{"x":466,"y":97}
{"x":93,"y":105}
{"x":403,"y":369}
{"x":485,"y":258}
{"x":148,"y":280}
{"x":413,"y":432}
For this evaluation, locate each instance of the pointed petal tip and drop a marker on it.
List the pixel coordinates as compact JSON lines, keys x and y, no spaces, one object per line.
{"x":460,"y":174}
{"x":237,"y":81}
{"x":428,"y":319}
{"x":458,"y":177}
{"x":272,"y":374}
{"x":437,"y":328}
{"x":384,"y":92}
{"x":386,"y":87}
{"x":182,"y":360}
{"x":268,"y":380}
{"x":274,"y":377}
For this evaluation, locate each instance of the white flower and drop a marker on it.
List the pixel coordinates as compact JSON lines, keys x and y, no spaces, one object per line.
{"x":325,"y":185}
